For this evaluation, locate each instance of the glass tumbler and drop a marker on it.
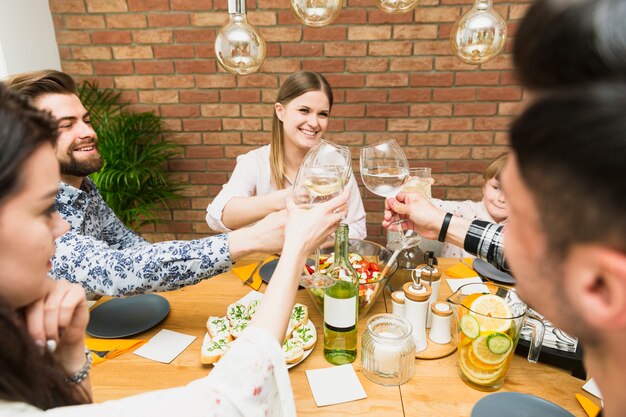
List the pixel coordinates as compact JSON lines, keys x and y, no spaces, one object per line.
{"x":388,"y":350}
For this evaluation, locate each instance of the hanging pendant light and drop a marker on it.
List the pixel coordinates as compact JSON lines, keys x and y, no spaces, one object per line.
{"x":479,"y":35}
{"x":316,"y":13}
{"x":396,"y":6}
{"x":239,"y":47}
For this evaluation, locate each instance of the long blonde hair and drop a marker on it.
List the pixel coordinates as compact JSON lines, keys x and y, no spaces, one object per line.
{"x":298,"y":83}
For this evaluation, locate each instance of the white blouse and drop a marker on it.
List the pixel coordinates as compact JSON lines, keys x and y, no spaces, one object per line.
{"x":252,"y":177}
{"x":250,"y":380}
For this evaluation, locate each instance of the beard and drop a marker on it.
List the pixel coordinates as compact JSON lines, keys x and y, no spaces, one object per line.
{"x":76,"y":168}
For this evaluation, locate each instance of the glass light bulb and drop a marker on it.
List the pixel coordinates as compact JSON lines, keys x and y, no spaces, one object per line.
{"x":396,"y":6}
{"x":239,"y":47}
{"x":479,"y":35}
{"x":316,"y":13}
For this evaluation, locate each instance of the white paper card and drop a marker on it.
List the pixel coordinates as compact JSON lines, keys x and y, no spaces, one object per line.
{"x":165,"y":346}
{"x":592,"y":388}
{"x":456,"y":283}
{"x":338,"y":384}
{"x":251,"y":296}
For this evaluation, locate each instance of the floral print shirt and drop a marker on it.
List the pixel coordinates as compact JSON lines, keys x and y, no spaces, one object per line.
{"x":107,"y":258}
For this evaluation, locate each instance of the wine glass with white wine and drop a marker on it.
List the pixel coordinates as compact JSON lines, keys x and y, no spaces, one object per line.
{"x":315,"y":185}
{"x":384,"y":170}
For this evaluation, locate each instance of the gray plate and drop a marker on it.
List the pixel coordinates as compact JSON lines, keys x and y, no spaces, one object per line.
{"x":267,"y":270}
{"x":515,"y":404}
{"x":123,"y":317}
{"x":490,"y":272}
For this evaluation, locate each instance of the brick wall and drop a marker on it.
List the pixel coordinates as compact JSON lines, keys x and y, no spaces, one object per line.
{"x":393,"y":76}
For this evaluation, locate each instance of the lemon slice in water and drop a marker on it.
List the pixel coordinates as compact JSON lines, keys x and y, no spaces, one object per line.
{"x":494,"y":314}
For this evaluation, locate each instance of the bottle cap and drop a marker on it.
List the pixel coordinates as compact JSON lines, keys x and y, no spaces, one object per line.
{"x":429,"y":273}
{"x":441,"y":309}
{"x":413,"y":294}
{"x":398,"y":297}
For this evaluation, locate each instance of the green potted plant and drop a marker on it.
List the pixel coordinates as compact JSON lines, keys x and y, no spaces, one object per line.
{"x":133,"y":180}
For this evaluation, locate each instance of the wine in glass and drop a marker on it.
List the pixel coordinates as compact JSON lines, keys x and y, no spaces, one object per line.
{"x":384,"y":170}
{"x":315,"y":185}
{"x":327,"y":153}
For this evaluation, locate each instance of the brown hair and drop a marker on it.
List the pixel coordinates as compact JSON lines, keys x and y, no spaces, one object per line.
{"x":37,"y":83}
{"x":298,"y":83}
{"x":494,"y":169}
{"x":27,"y":375}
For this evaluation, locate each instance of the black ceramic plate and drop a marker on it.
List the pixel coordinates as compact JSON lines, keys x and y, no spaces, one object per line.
{"x":267,"y":270}
{"x":515,"y":404}
{"x":123,"y":317}
{"x":491,"y":273}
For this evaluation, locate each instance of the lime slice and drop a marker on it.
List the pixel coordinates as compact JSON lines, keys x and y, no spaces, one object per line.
{"x":484,"y":354}
{"x":499,"y":343}
{"x":470,"y":326}
{"x":494,"y":314}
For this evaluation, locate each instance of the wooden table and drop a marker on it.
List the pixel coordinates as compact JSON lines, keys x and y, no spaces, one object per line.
{"x":434,"y":390}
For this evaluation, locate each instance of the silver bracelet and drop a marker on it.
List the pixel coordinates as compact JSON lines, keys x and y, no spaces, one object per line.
{"x":83,"y":372}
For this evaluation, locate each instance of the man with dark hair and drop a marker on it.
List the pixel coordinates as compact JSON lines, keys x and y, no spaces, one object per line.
{"x":101,"y":253}
{"x":566,"y":231}
{"x":559,"y":43}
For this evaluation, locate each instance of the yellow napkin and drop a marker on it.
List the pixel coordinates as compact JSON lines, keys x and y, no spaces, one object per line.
{"x":461,"y":270}
{"x":104,"y":349}
{"x":590,"y":408}
{"x":243,"y":272}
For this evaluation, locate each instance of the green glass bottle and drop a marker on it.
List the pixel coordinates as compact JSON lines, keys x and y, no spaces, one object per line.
{"x":341,"y":305}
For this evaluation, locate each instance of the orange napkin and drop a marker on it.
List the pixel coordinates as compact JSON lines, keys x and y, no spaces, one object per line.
{"x":461,"y":270}
{"x":104,"y":349}
{"x":244,"y":272}
{"x":590,"y":408}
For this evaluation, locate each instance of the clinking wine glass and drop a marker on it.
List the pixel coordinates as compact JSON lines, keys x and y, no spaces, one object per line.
{"x":384,"y":169}
{"x":326,"y":153}
{"x":315,"y":185}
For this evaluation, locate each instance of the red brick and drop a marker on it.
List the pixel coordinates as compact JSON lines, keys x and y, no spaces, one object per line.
{"x":209,"y":19}
{"x":390,"y":48}
{"x":134,"y":82}
{"x":430,"y":138}
{"x":91,"y":52}
{"x":202,"y":125}
{"x":409,"y":95}
{"x":65,"y":53}
{"x":243,"y":96}
{"x":126,"y":20}
{"x":407,"y":125}
{"x":412,"y":64}
{"x":220,"y":110}
{"x":287,"y":18}
{"x":492,"y":123}
{"x":456,"y":123}
{"x":471,"y":138}
{"x":449,"y":152}
{"x":454,"y":94}
{"x":84,"y":22}
{"x":132,"y":52}
{"x":431,"y":109}
{"x":477,"y":78}
{"x":104,"y":6}
{"x":241,"y":124}
{"x":387,"y":110}
{"x":195,"y":35}
{"x":257,"y":80}
{"x":367,"y":64}
{"x":281,"y":34}
{"x":216,"y":81}
{"x":173,"y":51}
{"x":112,"y":36}
{"x":467,"y":166}
{"x":434,"y":79}
{"x":348,"y":110}
{"x":451,"y":180}
{"x":345,"y":49}
{"x":387,"y":80}
{"x":199,"y":96}
{"x":154,"y":67}
{"x":253,"y":138}
{"x":205,"y":51}
{"x":254,"y":110}
{"x":67,"y":6}
{"x":204,"y":151}
{"x":363,"y":33}
{"x":351,"y":16}
{"x":153,"y":36}
{"x":257,"y":18}
{"x":415,"y":31}
{"x":324,"y":34}
{"x":280,"y":65}
{"x":196,"y":66}
{"x":324,"y":65}
{"x":72,"y":38}
{"x":191,"y":4}
{"x":368,"y":124}
{"x":78,"y":67}
{"x":452,"y":63}
{"x":174,"y":81}
{"x":148,"y":5}
{"x":305,"y":50}
{"x":158,"y":96}
{"x":186,"y":165}
{"x":437,"y":14}
{"x":488,"y":152}
{"x":499,"y":93}
{"x":377,"y":16}
{"x":186,"y":138}
{"x":510,"y":109}
{"x":168,"y":20}
{"x":475,"y":109}
{"x":346,"y":80}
